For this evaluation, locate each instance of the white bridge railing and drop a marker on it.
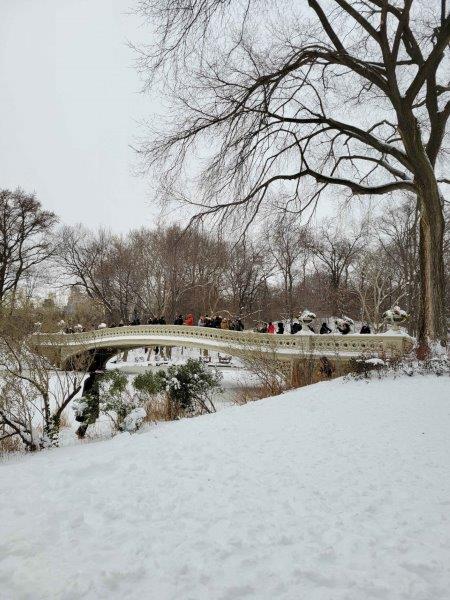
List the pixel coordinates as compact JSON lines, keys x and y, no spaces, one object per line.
{"x":284,"y":347}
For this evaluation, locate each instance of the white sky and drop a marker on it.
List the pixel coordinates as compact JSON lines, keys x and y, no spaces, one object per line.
{"x":69,"y":106}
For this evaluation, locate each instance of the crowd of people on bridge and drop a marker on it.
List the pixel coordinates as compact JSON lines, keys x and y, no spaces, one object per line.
{"x":343,"y":326}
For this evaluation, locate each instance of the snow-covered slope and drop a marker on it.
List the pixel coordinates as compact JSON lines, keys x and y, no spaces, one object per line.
{"x":336,"y":491}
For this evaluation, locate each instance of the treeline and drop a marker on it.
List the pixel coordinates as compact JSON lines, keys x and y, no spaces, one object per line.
{"x":359,"y":270}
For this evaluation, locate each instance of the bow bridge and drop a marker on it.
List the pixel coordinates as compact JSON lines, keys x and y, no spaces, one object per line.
{"x":62,"y":349}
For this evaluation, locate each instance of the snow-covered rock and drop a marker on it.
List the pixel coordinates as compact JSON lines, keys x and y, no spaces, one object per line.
{"x":375,"y":361}
{"x":133,"y":421}
{"x":340,"y":490}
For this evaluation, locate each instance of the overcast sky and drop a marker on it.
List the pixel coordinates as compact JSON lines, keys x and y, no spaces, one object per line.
{"x":69,"y":106}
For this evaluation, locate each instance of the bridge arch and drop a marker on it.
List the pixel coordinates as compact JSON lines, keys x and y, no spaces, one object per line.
{"x":63,"y":348}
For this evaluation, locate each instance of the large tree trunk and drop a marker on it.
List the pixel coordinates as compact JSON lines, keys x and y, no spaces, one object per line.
{"x":432,"y":319}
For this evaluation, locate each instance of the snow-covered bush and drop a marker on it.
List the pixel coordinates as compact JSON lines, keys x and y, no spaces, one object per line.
{"x":189,"y":388}
{"x":182,"y":390}
{"x":103,"y":393}
{"x":87,"y":410}
{"x":125,"y":410}
{"x":369,"y":367}
{"x":433,"y":365}
{"x":134,"y":419}
{"x":363,"y":366}
{"x":150,"y":387}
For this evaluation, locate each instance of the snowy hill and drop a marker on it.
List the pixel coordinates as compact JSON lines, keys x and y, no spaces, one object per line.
{"x":336,"y":491}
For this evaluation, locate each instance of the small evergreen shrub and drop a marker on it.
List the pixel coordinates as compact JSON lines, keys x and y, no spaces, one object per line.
{"x":148,"y":384}
{"x":363,"y":367}
{"x":125,"y":410}
{"x":189,"y":388}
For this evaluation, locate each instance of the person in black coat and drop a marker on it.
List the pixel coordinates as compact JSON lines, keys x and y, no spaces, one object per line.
{"x":324,"y":329}
{"x":295,"y":328}
{"x":365,"y":329}
{"x":161,"y":321}
{"x":280,"y":330}
{"x":238,"y":325}
{"x":216,"y":322}
{"x":262,"y":328}
{"x":344,"y":328}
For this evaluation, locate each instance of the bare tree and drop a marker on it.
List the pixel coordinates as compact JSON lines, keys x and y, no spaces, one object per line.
{"x":33,"y":393}
{"x":151,"y":290}
{"x":352,"y":94}
{"x":289,"y":247}
{"x":335,"y":251}
{"x":25,"y":240}
{"x":17,"y":412}
{"x":81,"y":256}
{"x":103,"y":265}
{"x":195,"y":262}
{"x":398,"y":235}
{"x":148,"y":272}
{"x":379,"y":284}
{"x":247,"y":273}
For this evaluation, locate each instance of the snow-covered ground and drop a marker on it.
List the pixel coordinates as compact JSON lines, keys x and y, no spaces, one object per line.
{"x":336,"y":491}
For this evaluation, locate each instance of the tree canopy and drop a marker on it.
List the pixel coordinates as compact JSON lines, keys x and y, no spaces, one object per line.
{"x":350,"y":95}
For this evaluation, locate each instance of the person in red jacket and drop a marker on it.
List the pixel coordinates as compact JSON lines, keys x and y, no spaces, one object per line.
{"x":189,"y":319}
{"x":271,"y":328}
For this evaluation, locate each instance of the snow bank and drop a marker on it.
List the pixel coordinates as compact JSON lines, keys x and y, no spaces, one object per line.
{"x":336,"y":491}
